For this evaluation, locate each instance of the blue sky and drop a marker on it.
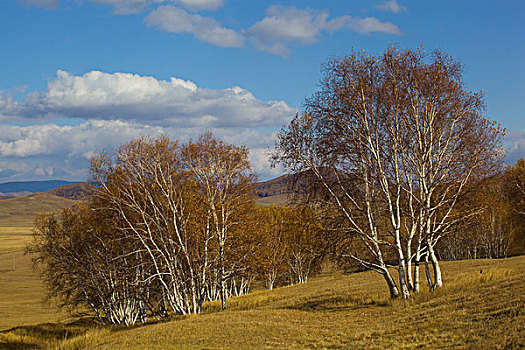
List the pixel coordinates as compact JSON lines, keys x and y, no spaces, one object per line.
{"x":81,"y":76}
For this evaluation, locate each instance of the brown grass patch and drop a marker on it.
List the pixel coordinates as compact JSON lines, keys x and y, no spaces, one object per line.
{"x":21,"y":211}
{"x":480,"y":307}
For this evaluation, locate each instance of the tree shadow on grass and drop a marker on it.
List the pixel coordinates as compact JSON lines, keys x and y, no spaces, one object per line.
{"x":38,"y":336}
{"x":17,"y":345}
{"x":336,"y":303}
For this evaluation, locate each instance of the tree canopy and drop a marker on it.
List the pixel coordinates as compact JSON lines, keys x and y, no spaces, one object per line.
{"x":395,"y":141}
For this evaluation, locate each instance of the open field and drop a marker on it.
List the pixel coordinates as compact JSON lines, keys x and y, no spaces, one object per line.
{"x":20,"y":211}
{"x":22,"y":293}
{"x":482,"y":306}
{"x":15,"y":240}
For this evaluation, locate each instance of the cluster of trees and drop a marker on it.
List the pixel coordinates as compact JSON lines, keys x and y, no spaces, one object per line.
{"x":394,"y":166}
{"x":497,"y":226}
{"x":393,"y":144}
{"x":292,"y":244}
{"x":169,"y":227}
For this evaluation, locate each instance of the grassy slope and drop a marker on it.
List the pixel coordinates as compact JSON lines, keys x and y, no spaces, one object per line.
{"x":475,"y":310}
{"x":20,"y":212}
{"x":21,"y":291}
{"x":278,"y":199}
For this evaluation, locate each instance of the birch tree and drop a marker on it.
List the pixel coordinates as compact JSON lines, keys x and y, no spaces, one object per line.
{"x":514,"y":188}
{"x":86,"y":264}
{"x":147,"y":187}
{"x":393,"y":141}
{"x":224,"y":179}
{"x":166,"y":227}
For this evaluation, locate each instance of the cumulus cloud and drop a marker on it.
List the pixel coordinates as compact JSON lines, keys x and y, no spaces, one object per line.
{"x":173,"y":102}
{"x":50,"y":150}
{"x":175,"y":20}
{"x":197,"y":5}
{"x":10,"y":111}
{"x":126,"y":7}
{"x":515,"y":145}
{"x":391,"y":6}
{"x":372,"y":25}
{"x":48,"y":4}
{"x":119,"y":107}
{"x":284,"y":25}
{"x":281,"y":26}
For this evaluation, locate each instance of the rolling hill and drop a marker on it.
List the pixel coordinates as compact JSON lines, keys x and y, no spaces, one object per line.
{"x":273,"y":187}
{"x":482,"y":306}
{"x":21,"y":211}
{"x":78,"y":191}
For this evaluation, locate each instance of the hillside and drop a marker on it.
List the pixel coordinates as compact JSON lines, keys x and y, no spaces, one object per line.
{"x":274,"y":191}
{"x":278,"y":199}
{"x":21,"y":211}
{"x":78,"y":191}
{"x":273,"y":187}
{"x":482,"y":306}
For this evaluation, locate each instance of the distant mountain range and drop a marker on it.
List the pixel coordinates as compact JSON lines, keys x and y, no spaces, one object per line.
{"x":274,"y":191}
{"x":23,"y":188}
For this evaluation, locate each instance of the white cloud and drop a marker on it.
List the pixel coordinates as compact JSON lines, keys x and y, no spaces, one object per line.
{"x":125,"y":7}
{"x":290,"y":24}
{"x":197,"y":5}
{"x":68,"y":141}
{"x":51,"y":151}
{"x":515,"y":145}
{"x":391,"y":6}
{"x":119,"y":107}
{"x":48,"y":4}
{"x":175,"y":20}
{"x":173,"y":102}
{"x":373,"y":25}
{"x":283,"y":25}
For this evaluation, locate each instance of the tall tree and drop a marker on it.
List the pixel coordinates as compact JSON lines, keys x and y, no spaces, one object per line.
{"x":514,"y":188}
{"x":393,"y":141}
{"x":146,"y":186}
{"x":224,"y":179}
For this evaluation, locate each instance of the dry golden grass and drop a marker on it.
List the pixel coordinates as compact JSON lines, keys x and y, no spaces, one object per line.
{"x":14,"y":239}
{"x":279,"y":199}
{"x":482,"y":306}
{"x":16,"y":230}
{"x":22,"y":294}
{"x":21,"y":211}
{"x":21,"y":291}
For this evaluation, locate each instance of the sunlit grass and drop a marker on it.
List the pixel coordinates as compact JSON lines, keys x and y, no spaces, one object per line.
{"x":20,"y":212}
{"x":14,"y":239}
{"x":480,"y":307}
{"x":22,"y":294}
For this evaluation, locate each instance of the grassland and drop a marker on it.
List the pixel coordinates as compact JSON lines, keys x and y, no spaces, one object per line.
{"x":482,"y":306}
{"x":20,"y":211}
{"x":278,"y":199}
{"x":21,"y":291}
{"x":22,"y":294}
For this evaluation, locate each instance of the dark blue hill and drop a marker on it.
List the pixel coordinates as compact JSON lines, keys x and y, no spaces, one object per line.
{"x":33,"y":186}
